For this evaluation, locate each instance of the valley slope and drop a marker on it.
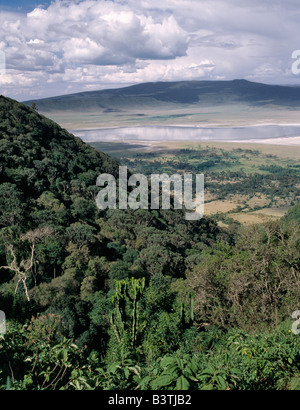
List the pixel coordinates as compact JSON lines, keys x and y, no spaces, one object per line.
{"x":238,"y":102}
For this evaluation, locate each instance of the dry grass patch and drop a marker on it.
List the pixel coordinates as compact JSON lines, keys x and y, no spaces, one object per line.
{"x":261,"y":201}
{"x":221,"y":206}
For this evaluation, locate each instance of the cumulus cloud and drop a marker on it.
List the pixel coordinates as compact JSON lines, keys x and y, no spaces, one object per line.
{"x":98,"y":33}
{"x":75,"y":45}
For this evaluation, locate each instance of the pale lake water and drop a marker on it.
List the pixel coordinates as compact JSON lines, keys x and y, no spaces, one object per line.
{"x":272,"y":134}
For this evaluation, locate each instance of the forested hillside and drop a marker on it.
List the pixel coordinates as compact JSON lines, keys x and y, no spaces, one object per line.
{"x":132,"y":299}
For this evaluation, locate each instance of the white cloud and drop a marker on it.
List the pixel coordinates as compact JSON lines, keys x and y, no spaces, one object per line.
{"x":77,"y":45}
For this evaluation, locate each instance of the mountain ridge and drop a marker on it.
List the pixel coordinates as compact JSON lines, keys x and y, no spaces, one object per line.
{"x":183,"y":93}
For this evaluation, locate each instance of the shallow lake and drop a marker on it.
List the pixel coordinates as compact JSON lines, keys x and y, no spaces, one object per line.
{"x":258,"y":133}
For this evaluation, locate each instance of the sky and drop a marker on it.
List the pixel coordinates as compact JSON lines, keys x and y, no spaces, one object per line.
{"x":68,"y":46}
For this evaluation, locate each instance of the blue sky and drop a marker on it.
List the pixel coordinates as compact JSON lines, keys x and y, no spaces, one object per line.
{"x":25,"y":6}
{"x":61,"y":47}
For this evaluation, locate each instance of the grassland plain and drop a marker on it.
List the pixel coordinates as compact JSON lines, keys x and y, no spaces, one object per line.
{"x":171,"y":114}
{"x":224,"y":103}
{"x":244,"y":183}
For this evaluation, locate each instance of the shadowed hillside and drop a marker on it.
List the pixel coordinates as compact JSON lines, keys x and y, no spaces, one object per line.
{"x":175,"y":93}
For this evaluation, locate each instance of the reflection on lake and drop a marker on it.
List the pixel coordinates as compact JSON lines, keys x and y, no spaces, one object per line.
{"x":256,"y":133}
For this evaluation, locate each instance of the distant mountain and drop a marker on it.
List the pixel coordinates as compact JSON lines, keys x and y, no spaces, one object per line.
{"x":158,"y":94}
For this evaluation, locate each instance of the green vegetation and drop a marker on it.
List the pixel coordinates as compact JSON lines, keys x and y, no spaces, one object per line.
{"x":133,"y":299}
{"x":249,"y":179}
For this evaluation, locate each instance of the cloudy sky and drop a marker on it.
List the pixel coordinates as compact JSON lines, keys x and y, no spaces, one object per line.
{"x":66,"y":46}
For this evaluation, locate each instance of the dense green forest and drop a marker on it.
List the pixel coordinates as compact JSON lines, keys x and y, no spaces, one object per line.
{"x":132,"y":299}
